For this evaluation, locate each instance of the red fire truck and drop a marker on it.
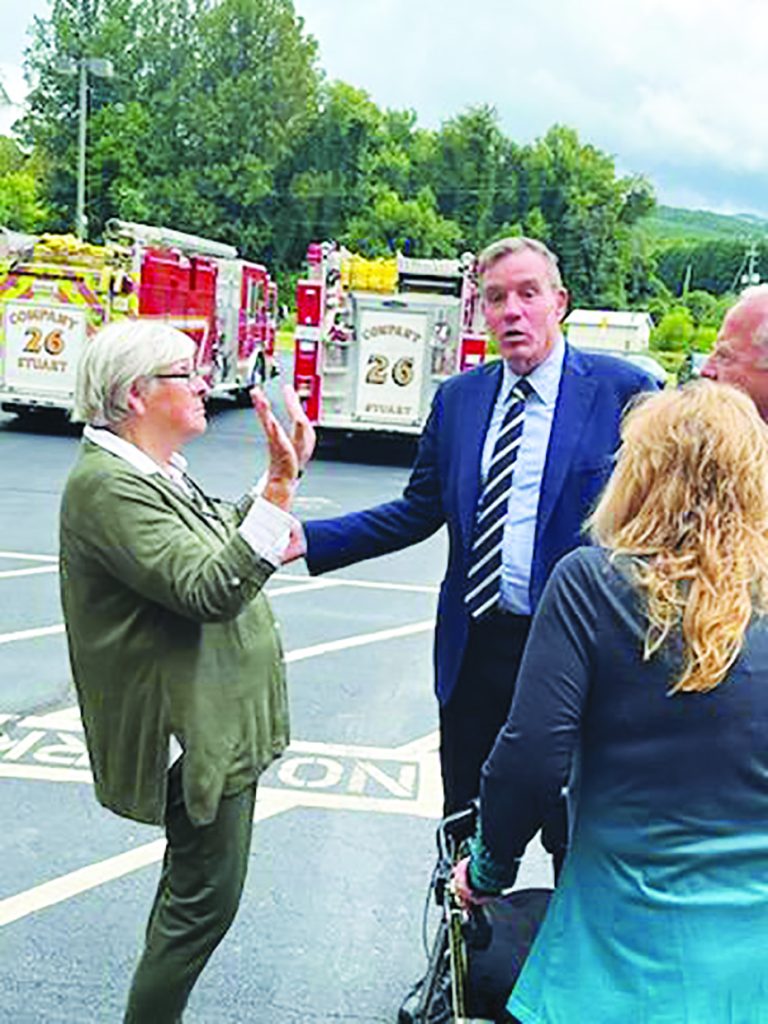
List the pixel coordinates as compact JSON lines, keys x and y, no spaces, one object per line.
{"x":55,"y":291}
{"x":374,"y":338}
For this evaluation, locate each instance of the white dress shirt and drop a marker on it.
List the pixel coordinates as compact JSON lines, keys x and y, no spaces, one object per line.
{"x":266,"y":528}
{"x":520,"y":525}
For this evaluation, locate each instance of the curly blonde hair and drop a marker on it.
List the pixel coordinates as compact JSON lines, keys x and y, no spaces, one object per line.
{"x":688,"y":502}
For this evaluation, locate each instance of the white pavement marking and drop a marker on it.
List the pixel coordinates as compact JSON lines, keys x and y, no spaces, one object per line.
{"x":413,"y":588}
{"x":416,"y":748}
{"x":22,"y":556}
{"x":66,"y":886}
{"x":8,"y":573}
{"x":419,"y":750}
{"x":63,"y":888}
{"x":271,"y":800}
{"x":306,"y":581}
{"x":31,"y":634}
{"x":406,"y":753}
{"x":300,"y":588}
{"x":343,"y":581}
{"x":299,"y":585}
{"x":40,"y":774}
{"x":67,"y":719}
{"x":359,"y":641}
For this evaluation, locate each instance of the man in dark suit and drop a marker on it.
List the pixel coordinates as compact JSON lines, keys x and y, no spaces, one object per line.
{"x":512,"y":470}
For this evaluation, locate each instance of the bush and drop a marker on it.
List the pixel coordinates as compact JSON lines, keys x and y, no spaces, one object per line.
{"x":675,"y":331}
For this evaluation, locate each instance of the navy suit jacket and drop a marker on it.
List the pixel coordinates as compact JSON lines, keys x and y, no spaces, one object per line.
{"x":444,"y":486}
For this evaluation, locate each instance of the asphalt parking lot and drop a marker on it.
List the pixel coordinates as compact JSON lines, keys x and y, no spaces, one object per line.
{"x":329,"y":928}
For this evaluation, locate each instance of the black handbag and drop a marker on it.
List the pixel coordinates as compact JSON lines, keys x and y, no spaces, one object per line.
{"x":498,"y":936}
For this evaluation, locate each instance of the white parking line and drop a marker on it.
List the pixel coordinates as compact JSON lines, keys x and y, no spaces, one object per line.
{"x":307,"y":582}
{"x":299,"y":588}
{"x":270,"y":801}
{"x":303,"y":652}
{"x":359,"y":641}
{"x":8,"y":573}
{"x":66,"y":886}
{"x":22,"y":556}
{"x":412,"y":588}
{"x":31,"y":634}
{"x":417,"y":748}
{"x":299,"y":585}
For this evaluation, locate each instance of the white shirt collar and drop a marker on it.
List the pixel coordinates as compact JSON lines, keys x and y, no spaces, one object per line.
{"x":135,"y":456}
{"x":544,"y":378}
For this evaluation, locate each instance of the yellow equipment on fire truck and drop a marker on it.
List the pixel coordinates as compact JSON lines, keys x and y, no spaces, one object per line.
{"x":374,"y":338}
{"x":56,"y":291}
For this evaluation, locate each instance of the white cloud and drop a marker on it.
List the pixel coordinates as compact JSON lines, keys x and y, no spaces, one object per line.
{"x":669,"y":87}
{"x":12,"y":78}
{"x":678,"y":83}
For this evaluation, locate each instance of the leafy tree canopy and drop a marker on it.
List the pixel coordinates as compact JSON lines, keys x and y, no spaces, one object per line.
{"x":218,"y":120}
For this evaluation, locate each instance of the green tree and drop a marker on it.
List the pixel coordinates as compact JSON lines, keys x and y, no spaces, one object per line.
{"x":11,"y":156}
{"x":703,"y":339}
{"x":207,"y":98}
{"x":467,"y":176}
{"x":675,"y":331}
{"x":704,"y":308}
{"x":324,"y":179}
{"x":413,"y":226}
{"x":590,"y":213}
{"x":22,"y":206}
{"x":712,"y":265}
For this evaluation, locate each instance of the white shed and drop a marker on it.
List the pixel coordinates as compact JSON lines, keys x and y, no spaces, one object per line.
{"x":609,"y":329}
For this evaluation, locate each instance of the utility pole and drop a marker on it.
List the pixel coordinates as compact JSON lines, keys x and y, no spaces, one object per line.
{"x":747,"y":273}
{"x":751,"y":276}
{"x":687,"y":280}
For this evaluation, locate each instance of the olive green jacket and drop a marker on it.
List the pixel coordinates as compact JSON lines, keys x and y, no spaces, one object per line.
{"x":169,"y":631}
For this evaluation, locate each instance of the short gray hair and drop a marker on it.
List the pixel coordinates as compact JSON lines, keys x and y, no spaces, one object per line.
{"x":116,"y":357}
{"x":504,"y":246}
{"x":758,"y":293}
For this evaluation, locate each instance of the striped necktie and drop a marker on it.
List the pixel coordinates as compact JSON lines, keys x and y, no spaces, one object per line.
{"x":484,"y":578}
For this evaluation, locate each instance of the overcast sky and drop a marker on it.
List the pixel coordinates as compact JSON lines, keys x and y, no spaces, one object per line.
{"x":674,"y":89}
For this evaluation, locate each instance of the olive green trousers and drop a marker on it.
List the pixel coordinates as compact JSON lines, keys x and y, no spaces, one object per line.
{"x":197,"y":897}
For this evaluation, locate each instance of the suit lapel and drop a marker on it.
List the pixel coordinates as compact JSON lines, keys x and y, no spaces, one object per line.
{"x":473,"y":425}
{"x":577,"y":391}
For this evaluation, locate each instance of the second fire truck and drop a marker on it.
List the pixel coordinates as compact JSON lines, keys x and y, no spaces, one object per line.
{"x":374,"y":338}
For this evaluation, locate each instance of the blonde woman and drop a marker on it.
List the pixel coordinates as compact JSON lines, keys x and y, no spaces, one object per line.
{"x":645,"y":683}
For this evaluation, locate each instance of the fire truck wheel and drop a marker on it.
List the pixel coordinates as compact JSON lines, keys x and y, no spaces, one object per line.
{"x":258,"y":374}
{"x":18,"y":408}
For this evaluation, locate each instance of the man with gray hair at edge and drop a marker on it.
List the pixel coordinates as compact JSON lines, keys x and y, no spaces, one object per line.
{"x":512,"y":458}
{"x":740,"y":355}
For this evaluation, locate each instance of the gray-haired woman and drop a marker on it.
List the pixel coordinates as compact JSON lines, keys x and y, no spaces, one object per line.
{"x":173,"y":648}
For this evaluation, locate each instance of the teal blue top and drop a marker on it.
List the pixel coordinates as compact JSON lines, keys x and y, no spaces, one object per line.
{"x":661,"y":914}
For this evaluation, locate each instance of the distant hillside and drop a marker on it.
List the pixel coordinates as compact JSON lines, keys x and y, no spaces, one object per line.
{"x":672,"y":223}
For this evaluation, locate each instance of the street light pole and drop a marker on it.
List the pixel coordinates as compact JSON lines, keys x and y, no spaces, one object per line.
{"x":80,"y":225}
{"x":80,"y":66}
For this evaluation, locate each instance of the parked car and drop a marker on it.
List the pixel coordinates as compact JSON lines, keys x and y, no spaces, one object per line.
{"x":651,"y":366}
{"x":641,"y":359}
{"x":690,"y":368}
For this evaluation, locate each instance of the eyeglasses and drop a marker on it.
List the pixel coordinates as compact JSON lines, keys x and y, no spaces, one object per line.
{"x":190,"y":376}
